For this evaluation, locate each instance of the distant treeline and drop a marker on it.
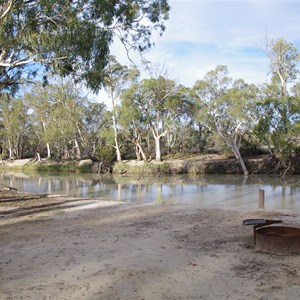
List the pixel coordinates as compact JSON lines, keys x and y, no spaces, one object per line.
{"x":155,"y":117}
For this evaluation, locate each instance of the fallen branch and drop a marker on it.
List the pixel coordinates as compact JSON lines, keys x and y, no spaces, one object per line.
{"x":9,"y":187}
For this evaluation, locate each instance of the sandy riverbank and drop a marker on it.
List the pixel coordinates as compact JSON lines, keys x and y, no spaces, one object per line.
{"x":103,"y":250}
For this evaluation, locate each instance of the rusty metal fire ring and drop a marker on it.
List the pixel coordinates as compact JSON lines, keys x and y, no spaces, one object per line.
{"x":280,"y":240}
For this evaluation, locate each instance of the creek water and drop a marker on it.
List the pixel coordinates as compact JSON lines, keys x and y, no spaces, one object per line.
{"x":208,"y":190}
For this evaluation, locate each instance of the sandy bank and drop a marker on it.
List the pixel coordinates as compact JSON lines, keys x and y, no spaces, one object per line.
{"x":103,"y":250}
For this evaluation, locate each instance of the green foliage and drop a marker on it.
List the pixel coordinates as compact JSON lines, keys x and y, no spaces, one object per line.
{"x":72,"y":37}
{"x":116,"y":78}
{"x":225,"y":108}
{"x":106,"y":154}
{"x":155,"y":117}
{"x":278,"y":108}
{"x":14,"y":122}
{"x":56,"y":166}
{"x":141,"y":168}
{"x":152,"y":107}
{"x":250,"y":145}
{"x":65,"y":120}
{"x":284,"y":58}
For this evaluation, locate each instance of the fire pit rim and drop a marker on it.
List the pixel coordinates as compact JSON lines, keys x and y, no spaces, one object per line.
{"x":282,"y":242}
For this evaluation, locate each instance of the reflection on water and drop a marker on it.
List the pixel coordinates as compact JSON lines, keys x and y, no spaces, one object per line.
{"x":210,"y":190}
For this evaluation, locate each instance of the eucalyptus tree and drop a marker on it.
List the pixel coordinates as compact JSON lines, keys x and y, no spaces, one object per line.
{"x":179,"y":111}
{"x":14,"y":122}
{"x":278,"y":119}
{"x":39,"y":100}
{"x":115,"y":81}
{"x":225,"y":108}
{"x":191,"y":134}
{"x":278,"y":105}
{"x":95,"y":120}
{"x":283,"y":57}
{"x":71,"y":36}
{"x":294,"y":131}
{"x":158,"y":104}
{"x":66,"y":117}
{"x":132,"y":120}
{"x":57,"y":110}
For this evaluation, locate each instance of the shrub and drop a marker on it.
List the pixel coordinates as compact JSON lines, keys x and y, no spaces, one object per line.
{"x":141,"y":168}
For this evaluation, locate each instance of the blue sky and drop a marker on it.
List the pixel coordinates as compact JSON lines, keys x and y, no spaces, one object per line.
{"x":202,"y":34}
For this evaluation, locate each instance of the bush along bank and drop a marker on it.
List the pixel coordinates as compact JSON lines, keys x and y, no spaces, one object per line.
{"x":29,"y":165}
{"x":141,"y":167}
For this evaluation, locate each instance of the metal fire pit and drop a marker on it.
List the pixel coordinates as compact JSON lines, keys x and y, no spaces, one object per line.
{"x":281,"y":240}
{"x":257,"y":223}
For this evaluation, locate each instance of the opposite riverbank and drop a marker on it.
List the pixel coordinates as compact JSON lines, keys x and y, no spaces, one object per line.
{"x":202,"y":164}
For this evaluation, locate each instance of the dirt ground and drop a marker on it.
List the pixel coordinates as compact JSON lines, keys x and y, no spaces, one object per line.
{"x":63,"y":248}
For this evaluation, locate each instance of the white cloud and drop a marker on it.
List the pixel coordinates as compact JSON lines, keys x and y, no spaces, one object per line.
{"x":230,"y":22}
{"x":202,"y":34}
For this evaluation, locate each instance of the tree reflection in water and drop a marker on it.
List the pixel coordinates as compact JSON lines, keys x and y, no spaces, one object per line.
{"x":208,"y":190}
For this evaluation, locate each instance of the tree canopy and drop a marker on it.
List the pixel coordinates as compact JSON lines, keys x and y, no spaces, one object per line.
{"x":72,"y":36}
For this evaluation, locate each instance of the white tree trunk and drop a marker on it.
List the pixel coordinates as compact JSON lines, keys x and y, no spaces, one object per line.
{"x":38,"y":156}
{"x":233,"y":144}
{"x":118,"y":152}
{"x":117,"y":147}
{"x":77,"y":149}
{"x":48,"y":150}
{"x":238,"y":155}
{"x":47,"y":144}
{"x":141,"y":151}
{"x":137,"y":153}
{"x":157,"y":137}
{"x":157,"y":148}
{"x":10,"y":153}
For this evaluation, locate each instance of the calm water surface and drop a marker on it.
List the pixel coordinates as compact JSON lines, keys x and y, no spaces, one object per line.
{"x":209,"y":191}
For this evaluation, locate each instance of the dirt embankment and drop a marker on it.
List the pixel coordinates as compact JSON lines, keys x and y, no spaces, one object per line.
{"x":220,"y":164}
{"x":202,"y":164}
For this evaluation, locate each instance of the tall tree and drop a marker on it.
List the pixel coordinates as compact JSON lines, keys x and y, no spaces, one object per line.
{"x":39,"y":100}
{"x":283,"y":57}
{"x":58,"y":109}
{"x":132,"y":121}
{"x":277,"y":119}
{"x":96,"y":119}
{"x":159,"y":100}
{"x":278,"y":105}
{"x":225,"y":108}
{"x":71,"y":36}
{"x":115,"y":80}
{"x":14,"y":122}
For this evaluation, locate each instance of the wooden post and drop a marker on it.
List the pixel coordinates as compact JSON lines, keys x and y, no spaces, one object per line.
{"x":261,"y":198}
